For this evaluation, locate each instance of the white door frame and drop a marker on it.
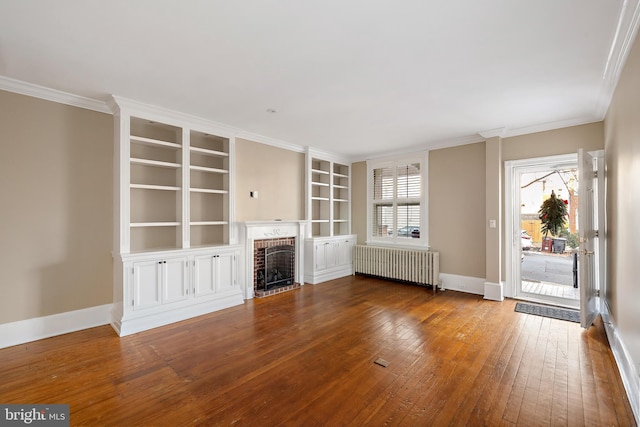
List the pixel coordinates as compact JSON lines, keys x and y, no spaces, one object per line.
{"x":512,"y":169}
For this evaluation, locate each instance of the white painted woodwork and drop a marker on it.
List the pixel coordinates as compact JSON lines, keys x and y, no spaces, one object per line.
{"x":328,"y":258}
{"x":587,"y":254}
{"x":328,"y":194}
{"x":175,"y":252}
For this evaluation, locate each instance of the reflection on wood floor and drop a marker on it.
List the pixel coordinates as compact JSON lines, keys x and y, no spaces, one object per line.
{"x":306,"y":358}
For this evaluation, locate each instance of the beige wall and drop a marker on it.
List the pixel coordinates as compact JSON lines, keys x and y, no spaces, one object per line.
{"x":456,"y":192}
{"x":622,"y":153}
{"x":554,"y":142}
{"x":278,"y":176}
{"x":56,"y":218}
{"x":457,"y":208}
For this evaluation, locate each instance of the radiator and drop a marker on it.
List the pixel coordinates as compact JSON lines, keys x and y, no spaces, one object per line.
{"x":409,"y":265}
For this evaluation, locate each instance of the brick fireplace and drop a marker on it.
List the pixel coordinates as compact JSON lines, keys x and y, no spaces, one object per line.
{"x":258,"y":237}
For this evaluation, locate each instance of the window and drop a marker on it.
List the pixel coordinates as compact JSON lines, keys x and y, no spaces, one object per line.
{"x":397,"y":204}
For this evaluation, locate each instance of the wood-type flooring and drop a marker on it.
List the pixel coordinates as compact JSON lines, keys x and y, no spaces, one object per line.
{"x":306,"y":358}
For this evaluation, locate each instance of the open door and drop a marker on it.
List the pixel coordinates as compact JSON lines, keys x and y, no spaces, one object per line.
{"x":587,"y":233}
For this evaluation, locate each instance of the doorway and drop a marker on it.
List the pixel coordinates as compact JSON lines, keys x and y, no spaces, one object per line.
{"x":542,"y":265}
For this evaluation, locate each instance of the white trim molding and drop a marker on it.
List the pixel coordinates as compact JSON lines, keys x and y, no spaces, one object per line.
{"x":512,"y":169}
{"x":625,"y":34}
{"x":470,"y":285}
{"x":54,"y":95}
{"x":38,"y":328}
{"x":627,"y":369}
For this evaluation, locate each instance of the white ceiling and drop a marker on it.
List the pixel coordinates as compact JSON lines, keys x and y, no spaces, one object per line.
{"x":358,"y":78}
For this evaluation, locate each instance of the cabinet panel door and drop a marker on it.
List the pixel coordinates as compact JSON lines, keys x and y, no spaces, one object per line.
{"x":345,"y":252}
{"x":175,"y":279}
{"x":320,"y":255}
{"x":203,"y":275}
{"x":331,"y":254}
{"x":225,"y":276}
{"x":147,"y":279}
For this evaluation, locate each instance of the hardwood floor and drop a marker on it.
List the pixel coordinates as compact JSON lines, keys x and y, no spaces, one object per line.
{"x":305,"y":358}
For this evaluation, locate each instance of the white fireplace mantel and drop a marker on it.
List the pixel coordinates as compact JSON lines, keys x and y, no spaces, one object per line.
{"x":259,"y":230}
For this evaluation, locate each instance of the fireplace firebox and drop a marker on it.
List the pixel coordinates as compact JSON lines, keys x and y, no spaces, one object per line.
{"x":279,"y":267}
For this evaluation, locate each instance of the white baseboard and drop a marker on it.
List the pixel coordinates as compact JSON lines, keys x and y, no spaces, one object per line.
{"x":133,"y":325}
{"x":493,"y":291}
{"x":316,"y":277}
{"x":628,"y":371}
{"x":23,"y":331}
{"x":471,"y":285}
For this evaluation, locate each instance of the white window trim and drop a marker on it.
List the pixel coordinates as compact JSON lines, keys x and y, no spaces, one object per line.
{"x":422,"y":242}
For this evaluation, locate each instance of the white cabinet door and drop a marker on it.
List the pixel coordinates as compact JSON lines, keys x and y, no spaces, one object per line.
{"x":345,"y":252}
{"x":175,"y":282}
{"x":214,"y":273}
{"x":203,"y":275}
{"x":147,"y":284}
{"x":320,"y":256}
{"x":225,"y":272}
{"x":330,"y":254}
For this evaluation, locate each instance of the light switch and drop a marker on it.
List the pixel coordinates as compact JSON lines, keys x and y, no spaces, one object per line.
{"x":492,"y":223}
{"x":253,"y":194}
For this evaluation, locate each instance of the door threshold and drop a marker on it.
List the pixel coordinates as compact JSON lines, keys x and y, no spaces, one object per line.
{"x":573,"y":304}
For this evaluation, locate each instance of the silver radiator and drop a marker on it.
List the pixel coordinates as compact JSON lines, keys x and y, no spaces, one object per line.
{"x":409,"y":265}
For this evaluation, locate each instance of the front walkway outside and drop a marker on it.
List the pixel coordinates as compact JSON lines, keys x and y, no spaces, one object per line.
{"x":548,"y":274}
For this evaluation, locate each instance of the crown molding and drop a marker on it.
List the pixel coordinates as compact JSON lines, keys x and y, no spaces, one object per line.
{"x":274,"y":142}
{"x":23,"y":88}
{"x":492,"y":133}
{"x":625,"y":34}
{"x":550,"y":126}
{"x":428,"y":146}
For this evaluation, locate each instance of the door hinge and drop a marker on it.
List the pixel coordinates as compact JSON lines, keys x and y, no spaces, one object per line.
{"x":133,"y":302}
{"x":598,"y":292}
{"x":595,"y":174}
{"x":596,"y":233}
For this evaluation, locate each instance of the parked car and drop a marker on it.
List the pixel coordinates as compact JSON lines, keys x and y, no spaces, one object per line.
{"x":525,"y":240}
{"x":409,"y":231}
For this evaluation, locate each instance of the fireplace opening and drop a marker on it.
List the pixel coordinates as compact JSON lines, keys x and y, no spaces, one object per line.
{"x":279,"y":268}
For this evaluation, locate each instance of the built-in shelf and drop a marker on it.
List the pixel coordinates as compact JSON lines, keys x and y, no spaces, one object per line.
{"x":207,"y":169}
{"x":208,"y":190}
{"x":209,"y":223}
{"x":328,"y":196}
{"x":174,"y":193}
{"x":154,"y":142}
{"x":208,"y":152}
{"x":154,"y":224}
{"x":148,"y":162}
{"x":155,"y":187}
